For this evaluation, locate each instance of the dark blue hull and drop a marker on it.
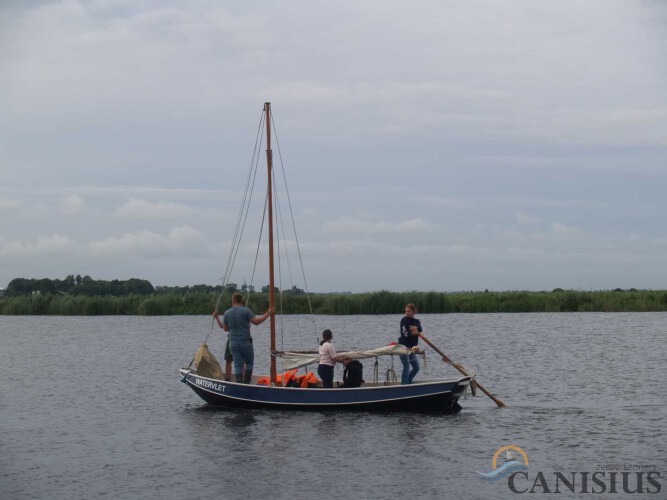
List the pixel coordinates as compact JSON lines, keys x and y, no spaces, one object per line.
{"x":436,"y":395}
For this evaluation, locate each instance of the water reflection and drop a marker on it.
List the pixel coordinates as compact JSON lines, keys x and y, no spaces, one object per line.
{"x":241,"y":420}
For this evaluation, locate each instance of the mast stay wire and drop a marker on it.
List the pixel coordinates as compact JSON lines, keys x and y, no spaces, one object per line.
{"x":284,"y":241}
{"x":276,"y":207}
{"x":259,"y":243}
{"x":241,"y":223}
{"x":281,"y":227}
{"x":245,"y":204}
{"x":241,"y":219}
{"x":296,"y":238}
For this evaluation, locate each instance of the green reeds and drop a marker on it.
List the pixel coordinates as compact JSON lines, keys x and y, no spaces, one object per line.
{"x":382,"y":302}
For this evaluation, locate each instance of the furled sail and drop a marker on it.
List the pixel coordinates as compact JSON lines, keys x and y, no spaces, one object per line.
{"x":293,"y":360}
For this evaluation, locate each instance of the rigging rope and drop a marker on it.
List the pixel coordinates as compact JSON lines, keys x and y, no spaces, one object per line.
{"x":391,"y":378}
{"x":240,"y":226}
{"x":240,"y":222}
{"x":245,"y":202}
{"x":259,"y":243}
{"x":280,"y":273}
{"x":296,"y":238}
{"x":281,"y":227}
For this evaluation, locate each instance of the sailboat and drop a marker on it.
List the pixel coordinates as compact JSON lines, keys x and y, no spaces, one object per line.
{"x":439,"y":395}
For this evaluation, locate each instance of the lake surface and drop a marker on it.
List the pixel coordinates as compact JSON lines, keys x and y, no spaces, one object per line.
{"x":93,"y":407}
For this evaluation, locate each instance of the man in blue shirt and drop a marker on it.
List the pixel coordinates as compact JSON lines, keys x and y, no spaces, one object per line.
{"x":236,"y":321}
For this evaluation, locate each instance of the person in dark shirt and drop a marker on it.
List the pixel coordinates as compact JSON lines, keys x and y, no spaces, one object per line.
{"x":353,"y":374}
{"x":410,"y":330}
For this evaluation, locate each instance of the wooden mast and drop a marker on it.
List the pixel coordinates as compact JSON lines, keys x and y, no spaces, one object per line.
{"x":272,"y":293}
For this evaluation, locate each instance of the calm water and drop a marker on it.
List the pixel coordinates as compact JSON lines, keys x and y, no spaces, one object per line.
{"x":94,"y":408}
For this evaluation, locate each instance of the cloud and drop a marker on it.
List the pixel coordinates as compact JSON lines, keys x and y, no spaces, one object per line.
{"x":183,"y":239}
{"x":137,"y":208}
{"x":524,"y":219}
{"x":357,"y":225}
{"x":72,"y":205}
{"x":304,"y":91}
{"x":447,"y":201}
{"x":9,"y":204}
{"x":43,"y":246}
{"x":631,"y":126}
{"x":524,"y":255}
{"x":36,"y":211}
{"x":565,"y":230}
{"x":539,"y":143}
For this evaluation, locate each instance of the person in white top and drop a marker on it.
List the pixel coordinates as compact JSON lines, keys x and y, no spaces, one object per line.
{"x":328,"y":359}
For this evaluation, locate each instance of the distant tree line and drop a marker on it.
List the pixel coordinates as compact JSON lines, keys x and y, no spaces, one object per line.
{"x":87,"y":286}
{"x":78,"y":285}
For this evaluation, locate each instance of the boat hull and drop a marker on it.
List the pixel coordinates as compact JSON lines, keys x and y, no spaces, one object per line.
{"x":436,"y":395}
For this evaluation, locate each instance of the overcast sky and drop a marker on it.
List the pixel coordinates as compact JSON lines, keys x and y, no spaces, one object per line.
{"x":428,"y":145}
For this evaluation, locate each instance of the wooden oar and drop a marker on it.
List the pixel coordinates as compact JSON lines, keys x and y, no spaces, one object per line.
{"x":446,"y":359}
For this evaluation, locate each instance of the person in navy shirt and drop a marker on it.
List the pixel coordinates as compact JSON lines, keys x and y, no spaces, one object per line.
{"x":410,"y":330}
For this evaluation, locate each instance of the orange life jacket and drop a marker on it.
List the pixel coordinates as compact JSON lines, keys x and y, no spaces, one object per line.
{"x":267,"y":380}
{"x":307,"y":380}
{"x":288,"y":376}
